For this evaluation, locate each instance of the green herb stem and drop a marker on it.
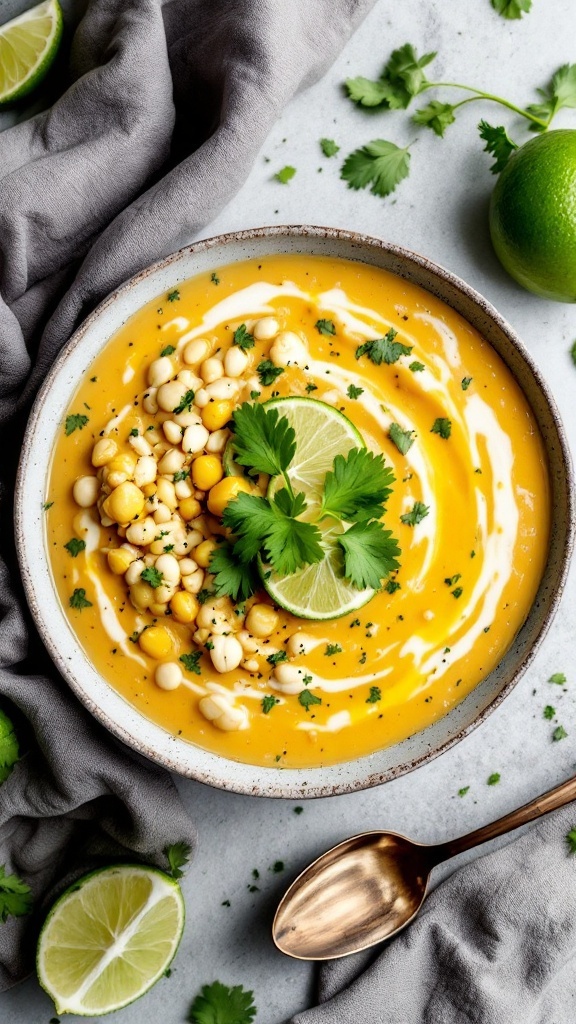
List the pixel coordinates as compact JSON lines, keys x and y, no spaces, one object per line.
{"x":479,"y":94}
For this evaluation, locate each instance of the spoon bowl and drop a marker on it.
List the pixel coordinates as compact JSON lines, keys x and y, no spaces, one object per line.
{"x":357,"y":894}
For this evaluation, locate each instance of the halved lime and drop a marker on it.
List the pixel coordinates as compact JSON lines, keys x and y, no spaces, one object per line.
{"x":28,"y":46}
{"x":317,"y":591}
{"x":109,"y":938}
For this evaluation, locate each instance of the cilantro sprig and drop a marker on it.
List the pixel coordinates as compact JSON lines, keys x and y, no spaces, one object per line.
{"x":218,"y":1004}
{"x":15,"y":896}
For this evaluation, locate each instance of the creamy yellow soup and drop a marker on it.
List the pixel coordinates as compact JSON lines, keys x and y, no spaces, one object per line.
{"x":470,"y":565}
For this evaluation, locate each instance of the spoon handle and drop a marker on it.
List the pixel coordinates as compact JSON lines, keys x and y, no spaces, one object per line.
{"x":550,"y":801}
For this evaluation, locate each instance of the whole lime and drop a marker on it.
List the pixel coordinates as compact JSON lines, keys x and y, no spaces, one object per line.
{"x":533,"y":215}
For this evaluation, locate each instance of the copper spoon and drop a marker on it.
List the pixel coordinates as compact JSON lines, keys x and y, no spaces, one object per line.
{"x":371,"y":886}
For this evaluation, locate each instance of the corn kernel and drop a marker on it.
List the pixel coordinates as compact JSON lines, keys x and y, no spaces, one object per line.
{"x":206,"y":471}
{"x":216,"y":414}
{"x":156,"y":642}
{"x":225,"y":491}
{"x":261,"y":620}
{"x":119,"y":560}
{"x":141,"y":595}
{"x":184,"y":607}
{"x":203,"y":553}
{"x":125,"y":503}
{"x":121,"y":468}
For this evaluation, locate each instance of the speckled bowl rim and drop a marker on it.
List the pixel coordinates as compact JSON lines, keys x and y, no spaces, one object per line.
{"x":158,"y":744}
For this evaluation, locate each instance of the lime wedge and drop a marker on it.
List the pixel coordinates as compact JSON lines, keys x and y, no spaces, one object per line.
{"x":109,"y":938}
{"x":317,"y":591}
{"x":28,"y":46}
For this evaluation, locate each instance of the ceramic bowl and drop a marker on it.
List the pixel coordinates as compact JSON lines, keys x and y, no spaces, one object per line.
{"x":120,"y":717}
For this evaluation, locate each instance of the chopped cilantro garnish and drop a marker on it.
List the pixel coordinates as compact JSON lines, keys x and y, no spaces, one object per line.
{"x":75,"y":421}
{"x":214,"y":277}
{"x":268,"y":373}
{"x":152,"y":576}
{"x":442,"y":426}
{"x":168,"y":350}
{"x":465,"y":383}
{"x":190,"y":662}
{"x":285,"y":174}
{"x":493,"y":779}
{"x":559,"y":733}
{"x":549,"y":712}
{"x":326,"y":327}
{"x":416,"y":367}
{"x":402,"y":438}
{"x":332,"y":649}
{"x":354,"y":392}
{"x":417,"y":513}
{"x":374,"y":696}
{"x":384,"y":350}
{"x":242,"y":338}
{"x":78,"y":599}
{"x":268,"y":703}
{"x":173,"y":296}
{"x":559,"y":678}
{"x":307,"y":699}
{"x":75,"y":546}
{"x":329,"y":147}
{"x":185,"y":404}
{"x":277,"y":657}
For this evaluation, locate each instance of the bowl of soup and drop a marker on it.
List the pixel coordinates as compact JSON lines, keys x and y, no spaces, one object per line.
{"x":294,"y":511}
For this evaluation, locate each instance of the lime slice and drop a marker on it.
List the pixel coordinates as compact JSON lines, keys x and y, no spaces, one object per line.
{"x":317,"y":591}
{"x":28,"y":46}
{"x":109,"y":938}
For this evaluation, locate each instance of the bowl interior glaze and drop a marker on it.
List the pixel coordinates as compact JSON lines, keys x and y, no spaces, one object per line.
{"x":120,"y":717}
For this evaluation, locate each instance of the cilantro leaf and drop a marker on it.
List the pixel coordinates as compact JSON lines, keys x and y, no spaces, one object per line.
{"x":573,"y":353}
{"x":405,"y":71}
{"x":466,"y":382}
{"x":374,"y":696}
{"x":190,"y":662}
{"x":268,"y":373}
{"x":512,"y":8}
{"x":559,"y":678}
{"x":332,"y":649}
{"x":549,"y":712}
{"x":306,"y":698}
{"x":9,"y":749}
{"x":416,"y":367}
{"x":285,"y":174}
{"x":15,"y":896}
{"x":242,"y":338}
{"x":173,"y":296}
{"x":268,"y":702}
{"x":287,"y":543}
{"x":392,"y":586}
{"x":185,"y":404}
{"x":418,"y":512}
{"x":178,"y":856}
{"x":384,"y":350}
{"x":218,"y":1004}
{"x":232,"y":577}
{"x":366,"y":92}
{"x":326,"y":327}
{"x":78,"y":599}
{"x":380,"y":164}
{"x":442,"y":426}
{"x":249,"y":518}
{"x":561,"y":92}
{"x":559,"y":733}
{"x":75,"y":421}
{"x":402,"y":438}
{"x":277,"y":658}
{"x":263,"y":440}
{"x":357,"y":486}
{"x":167,"y":352}
{"x":571,"y":840}
{"x":493,"y":779}
{"x":354,"y":392}
{"x":498,"y":144}
{"x":370,"y":554}
{"x":437,"y":116}
{"x":214,"y":277}
{"x":329,"y":147}
{"x":75,"y":546}
{"x":152,"y":576}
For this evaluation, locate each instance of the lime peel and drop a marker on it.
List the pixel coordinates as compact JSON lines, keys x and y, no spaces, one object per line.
{"x":28,"y":47}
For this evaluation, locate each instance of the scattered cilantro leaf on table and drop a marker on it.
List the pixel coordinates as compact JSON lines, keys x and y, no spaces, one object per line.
{"x":463,"y":791}
{"x":370,"y":554}
{"x":417,"y":513}
{"x":218,"y":1004}
{"x":242,"y":338}
{"x":498,"y":144}
{"x":549,"y":712}
{"x":573,"y":353}
{"x":402,"y":438}
{"x":285,"y":174}
{"x":571,"y":840}
{"x":357,"y":486}
{"x":15,"y":896}
{"x":329,"y":147}
{"x":558,"y":677}
{"x":493,"y":779}
{"x":402,"y":78}
{"x":512,"y":8}
{"x":380,"y":164}
{"x":559,"y":733}
{"x":366,"y":92}
{"x":178,"y":856}
{"x":75,"y":546}
{"x":9,"y":748}
{"x":384,"y":350}
{"x":75,"y":421}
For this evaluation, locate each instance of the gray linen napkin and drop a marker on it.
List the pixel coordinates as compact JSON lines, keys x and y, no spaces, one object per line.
{"x":168,"y":105}
{"x":494,"y":944}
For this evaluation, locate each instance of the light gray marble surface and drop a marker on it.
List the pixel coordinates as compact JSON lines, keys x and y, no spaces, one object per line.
{"x":440,"y":211}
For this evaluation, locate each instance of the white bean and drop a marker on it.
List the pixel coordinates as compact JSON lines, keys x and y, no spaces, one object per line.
{"x":332,"y":397}
{"x":196,"y":351}
{"x":172,"y":462}
{"x":235,"y":361}
{"x":218,"y":440}
{"x":168,"y":675}
{"x":183,"y":489}
{"x":266,"y":328}
{"x":85,"y":491}
{"x":103,"y":451}
{"x":218,"y":710}
{"x":201,"y":398}
{"x":160,"y":371}
{"x":289,"y":350}
{"x":226,"y":653}
{"x":172,"y":431}
{"x":194,"y":581}
{"x":134,"y":571}
{"x":166,"y":493}
{"x":188,"y":566}
{"x":145,"y":471}
{"x":142,"y":532}
{"x":149,"y":402}
{"x":187,"y":418}
{"x":225,"y":388}
{"x":168,"y":566}
{"x":195,"y":439}
{"x":140,"y":445}
{"x":164,"y":593}
{"x":211,"y":370}
{"x":170,"y":395}
{"x":288,"y":679}
{"x":162,"y":514}
{"x":190,"y":379}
